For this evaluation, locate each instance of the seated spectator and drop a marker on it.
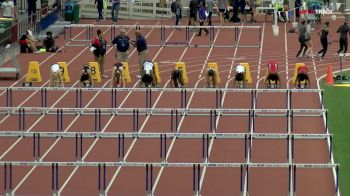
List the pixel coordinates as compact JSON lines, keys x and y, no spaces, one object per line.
{"x":27,"y":43}
{"x":49,"y":43}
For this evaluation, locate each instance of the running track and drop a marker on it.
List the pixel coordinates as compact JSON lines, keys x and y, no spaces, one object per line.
{"x":173,"y":181}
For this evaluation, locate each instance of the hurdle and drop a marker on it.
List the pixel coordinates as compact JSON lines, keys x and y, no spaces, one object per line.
{"x":21,"y":111}
{"x":165,"y":134}
{"x":149,"y":169}
{"x":163,"y":29}
{"x":207,"y":90}
{"x":79,"y":94}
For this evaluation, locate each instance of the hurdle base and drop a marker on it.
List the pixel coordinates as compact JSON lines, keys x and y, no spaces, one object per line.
{"x":9,"y":193}
{"x":55,"y":193}
{"x":27,"y":84}
{"x":102,"y":193}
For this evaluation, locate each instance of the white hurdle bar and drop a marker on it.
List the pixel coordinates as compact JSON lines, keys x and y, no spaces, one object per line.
{"x":292,"y":168}
{"x":164,"y":111}
{"x":131,"y":134}
{"x":148,"y":94}
{"x":89,"y":32}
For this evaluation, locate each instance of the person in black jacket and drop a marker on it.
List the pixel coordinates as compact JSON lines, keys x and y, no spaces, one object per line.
{"x":324,"y":40}
{"x":49,"y":43}
{"x":343,"y":38}
{"x":99,"y":8}
{"x":31,"y":10}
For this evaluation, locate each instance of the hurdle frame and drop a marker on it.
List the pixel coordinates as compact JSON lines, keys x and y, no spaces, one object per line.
{"x":163,"y":43}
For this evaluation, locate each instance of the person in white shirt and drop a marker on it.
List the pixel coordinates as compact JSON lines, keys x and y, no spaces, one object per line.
{"x":8,"y":9}
{"x":148,"y":74}
{"x":240,"y":76}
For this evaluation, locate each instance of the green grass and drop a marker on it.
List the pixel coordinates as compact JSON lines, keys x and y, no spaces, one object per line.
{"x":337,"y":101}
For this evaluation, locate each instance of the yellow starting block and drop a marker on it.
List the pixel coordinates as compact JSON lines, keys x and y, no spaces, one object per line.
{"x":248,"y":77}
{"x":156,"y":70}
{"x":296,"y":71}
{"x":127,"y":77}
{"x":33,"y":74}
{"x":215,"y":67}
{"x":95,"y":71}
{"x":181,"y":66}
{"x":64,"y":71}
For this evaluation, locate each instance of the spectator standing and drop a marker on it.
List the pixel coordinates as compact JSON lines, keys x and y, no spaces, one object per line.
{"x":308,"y":38}
{"x":253,"y":10}
{"x":178,"y":11}
{"x":122,"y":46}
{"x":100,"y":45}
{"x":115,"y":10}
{"x":343,"y":38}
{"x":302,"y":33}
{"x":222,"y":8}
{"x":31,"y":10}
{"x":202,"y":17}
{"x":324,"y":40}
{"x":99,"y":5}
{"x":297,"y":7}
{"x":8,"y":9}
{"x":141,"y":45}
{"x":193,"y":13}
{"x":210,"y":6}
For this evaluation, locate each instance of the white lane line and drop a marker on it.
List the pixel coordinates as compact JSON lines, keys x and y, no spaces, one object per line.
{"x":286,"y":49}
{"x":90,"y":148}
{"x":36,"y":91}
{"x":261,"y":51}
{"x":181,"y":121}
{"x":236,"y":49}
{"x":222,"y":103}
{"x":129,"y":150}
{"x":42,"y":116}
{"x":52,"y":146}
{"x":49,"y":57}
{"x":105,"y":127}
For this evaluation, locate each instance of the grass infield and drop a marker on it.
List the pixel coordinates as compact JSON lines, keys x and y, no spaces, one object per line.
{"x":337,"y":101}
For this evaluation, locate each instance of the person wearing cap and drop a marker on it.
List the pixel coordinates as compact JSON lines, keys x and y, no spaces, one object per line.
{"x":55,"y":76}
{"x":85,"y":77}
{"x":99,"y":48}
{"x":118,"y":76}
{"x":177,"y":78}
{"x":141,"y":45}
{"x":49,"y":43}
{"x":343,"y":37}
{"x":122,"y":46}
{"x":240,"y":75}
{"x":148,"y":74}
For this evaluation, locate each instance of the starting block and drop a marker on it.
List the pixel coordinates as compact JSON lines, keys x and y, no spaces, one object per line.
{"x":156,"y":70}
{"x":95,"y":71}
{"x":215,"y":67}
{"x":64,"y":71}
{"x":296,"y":71}
{"x":127,"y":77}
{"x":248,"y":77}
{"x":181,"y":66}
{"x":33,"y":74}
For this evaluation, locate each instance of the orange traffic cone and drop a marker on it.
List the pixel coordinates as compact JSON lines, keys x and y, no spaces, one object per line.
{"x":330,"y":80}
